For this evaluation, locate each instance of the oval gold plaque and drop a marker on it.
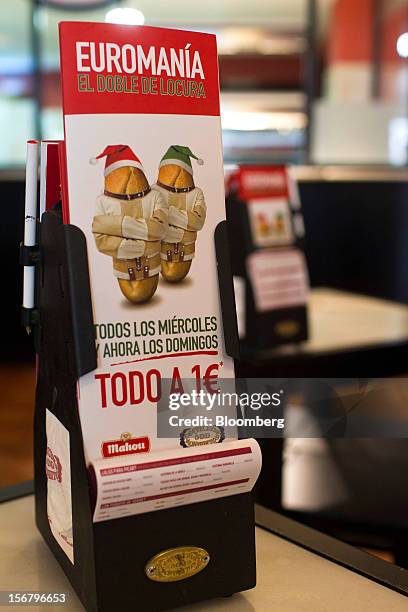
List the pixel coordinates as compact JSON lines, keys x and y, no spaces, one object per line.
{"x":177,"y":563}
{"x":200,"y":436}
{"x":287,"y":328}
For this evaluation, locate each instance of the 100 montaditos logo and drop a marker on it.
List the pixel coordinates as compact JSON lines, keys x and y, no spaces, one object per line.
{"x":53,"y":467}
{"x":128,"y":68}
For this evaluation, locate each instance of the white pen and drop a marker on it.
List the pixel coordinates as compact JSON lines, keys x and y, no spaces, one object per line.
{"x":30,"y":220}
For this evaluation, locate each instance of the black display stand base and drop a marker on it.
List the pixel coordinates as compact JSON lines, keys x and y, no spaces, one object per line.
{"x":110,"y":557}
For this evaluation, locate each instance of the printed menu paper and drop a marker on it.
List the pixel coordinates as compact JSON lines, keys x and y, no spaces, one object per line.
{"x":58,"y":471}
{"x":279,"y":278}
{"x":125,"y":486}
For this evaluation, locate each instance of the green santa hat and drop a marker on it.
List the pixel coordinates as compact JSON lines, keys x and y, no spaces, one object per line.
{"x":180,"y":156}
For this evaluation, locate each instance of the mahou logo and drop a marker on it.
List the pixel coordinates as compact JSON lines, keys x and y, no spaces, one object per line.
{"x":53,"y":466}
{"x":126,"y":445}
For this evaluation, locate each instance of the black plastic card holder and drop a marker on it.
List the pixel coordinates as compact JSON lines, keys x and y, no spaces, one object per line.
{"x":272,"y":328}
{"x":110,"y":557}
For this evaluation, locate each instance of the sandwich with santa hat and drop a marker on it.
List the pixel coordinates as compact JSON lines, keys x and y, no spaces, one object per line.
{"x":129,"y":223}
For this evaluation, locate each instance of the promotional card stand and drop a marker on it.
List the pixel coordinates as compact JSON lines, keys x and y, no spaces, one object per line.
{"x":267,"y":242}
{"x":110,"y":557}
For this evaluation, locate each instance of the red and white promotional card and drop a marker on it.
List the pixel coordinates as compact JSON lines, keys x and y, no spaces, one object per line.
{"x":277,"y":268}
{"x":266,"y":189}
{"x":50,"y":180}
{"x":144,"y":182}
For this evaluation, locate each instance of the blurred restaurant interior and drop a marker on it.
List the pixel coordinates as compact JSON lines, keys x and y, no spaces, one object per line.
{"x":320,"y":86}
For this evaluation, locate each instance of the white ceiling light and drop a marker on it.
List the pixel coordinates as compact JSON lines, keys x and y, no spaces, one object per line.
{"x":70,"y":3}
{"x":125,"y":16}
{"x":402,"y":45}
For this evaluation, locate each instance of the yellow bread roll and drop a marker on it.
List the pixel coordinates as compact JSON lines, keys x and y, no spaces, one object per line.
{"x":126,"y":180}
{"x":174,"y":176}
{"x":141,"y":291}
{"x":174,"y":272}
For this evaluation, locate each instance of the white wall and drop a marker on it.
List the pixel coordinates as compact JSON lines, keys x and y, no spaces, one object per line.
{"x":352,"y":133}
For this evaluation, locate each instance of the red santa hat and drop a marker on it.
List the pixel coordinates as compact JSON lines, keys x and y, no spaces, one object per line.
{"x":117,"y":156}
